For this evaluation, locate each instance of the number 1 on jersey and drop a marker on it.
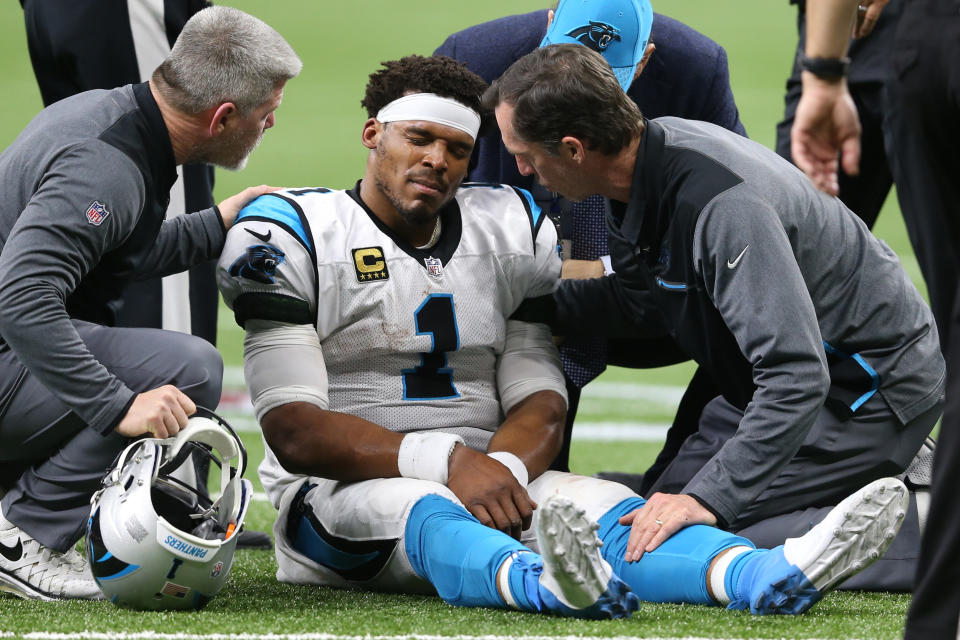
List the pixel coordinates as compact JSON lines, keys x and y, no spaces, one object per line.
{"x":432,"y":379}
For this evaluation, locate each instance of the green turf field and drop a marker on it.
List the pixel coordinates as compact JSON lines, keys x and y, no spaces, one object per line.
{"x":316,"y":142}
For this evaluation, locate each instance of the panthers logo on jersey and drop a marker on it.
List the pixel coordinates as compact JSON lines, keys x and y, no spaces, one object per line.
{"x":258,"y":263}
{"x":596,"y":35}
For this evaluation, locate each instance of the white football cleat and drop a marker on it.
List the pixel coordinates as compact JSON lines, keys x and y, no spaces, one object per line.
{"x":576,"y":580}
{"x":853,"y":535}
{"x":30,"y":570}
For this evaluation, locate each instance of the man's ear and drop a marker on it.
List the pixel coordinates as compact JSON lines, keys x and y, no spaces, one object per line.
{"x":572,"y":148}
{"x":218,"y":120}
{"x":370,"y":136}
{"x":644,"y":60}
{"x":550,"y":15}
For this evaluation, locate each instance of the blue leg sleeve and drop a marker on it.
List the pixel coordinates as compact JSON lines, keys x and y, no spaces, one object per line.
{"x":459,"y":556}
{"x":677,"y":570}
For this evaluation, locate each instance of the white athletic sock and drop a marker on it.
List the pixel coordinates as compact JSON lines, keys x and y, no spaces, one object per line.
{"x":718,"y":574}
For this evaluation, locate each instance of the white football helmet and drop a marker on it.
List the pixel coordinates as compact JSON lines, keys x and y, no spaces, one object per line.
{"x":154,"y":542}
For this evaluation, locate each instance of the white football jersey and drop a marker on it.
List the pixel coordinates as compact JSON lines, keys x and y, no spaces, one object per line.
{"x":410,"y":338}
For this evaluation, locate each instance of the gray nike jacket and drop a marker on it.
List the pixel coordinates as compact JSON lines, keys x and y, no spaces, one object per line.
{"x":778,"y":290}
{"x":86,"y":187}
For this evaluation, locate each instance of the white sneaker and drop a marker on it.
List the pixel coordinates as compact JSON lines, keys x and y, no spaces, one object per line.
{"x":30,"y":570}
{"x":854,"y":534}
{"x":576,"y":580}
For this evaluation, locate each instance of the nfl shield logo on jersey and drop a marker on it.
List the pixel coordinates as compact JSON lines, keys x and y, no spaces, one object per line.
{"x":97,"y":213}
{"x":434,"y":266}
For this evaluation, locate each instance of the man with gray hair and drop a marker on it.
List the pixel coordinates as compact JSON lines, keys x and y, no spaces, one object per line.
{"x":88,"y":182}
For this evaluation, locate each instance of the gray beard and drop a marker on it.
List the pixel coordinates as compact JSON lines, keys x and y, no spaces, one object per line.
{"x":226,"y":154}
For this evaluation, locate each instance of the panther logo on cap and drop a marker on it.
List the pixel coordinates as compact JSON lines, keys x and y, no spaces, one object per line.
{"x":596,"y":35}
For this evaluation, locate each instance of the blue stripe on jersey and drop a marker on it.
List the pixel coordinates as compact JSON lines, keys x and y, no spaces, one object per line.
{"x":273,"y":207}
{"x":535,"y":211}
{"x":874,"y":380}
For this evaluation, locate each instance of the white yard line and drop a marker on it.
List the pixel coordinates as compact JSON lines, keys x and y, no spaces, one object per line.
{"x":617,"y":431}
{"x":154,"y":635}
{"x":653,"y":393}
{"x":598,"y":390}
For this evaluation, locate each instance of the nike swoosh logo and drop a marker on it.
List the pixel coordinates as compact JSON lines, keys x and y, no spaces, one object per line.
{"x":262,"y":237}
{"x":731,"y":264}
{"x":13,"y":553}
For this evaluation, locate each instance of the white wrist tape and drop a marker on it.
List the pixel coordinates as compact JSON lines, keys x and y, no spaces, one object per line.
{"x":607,"y":265}
{"x":426,"y":456}
{"x":515,"y":464}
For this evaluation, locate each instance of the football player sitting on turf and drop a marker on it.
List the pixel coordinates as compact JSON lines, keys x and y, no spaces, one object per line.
{"x":410,"y":422}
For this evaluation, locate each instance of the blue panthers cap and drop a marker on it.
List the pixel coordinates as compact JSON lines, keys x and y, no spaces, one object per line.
{"x":616,"y":29}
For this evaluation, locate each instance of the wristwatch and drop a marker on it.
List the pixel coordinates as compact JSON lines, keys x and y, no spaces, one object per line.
{"x":825,"y":68}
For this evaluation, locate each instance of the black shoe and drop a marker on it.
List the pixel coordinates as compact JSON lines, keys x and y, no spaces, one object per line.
{"x":632,"y":481}
{"x":250,"y":539}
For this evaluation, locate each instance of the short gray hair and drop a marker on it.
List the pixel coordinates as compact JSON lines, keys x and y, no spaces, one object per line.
{"x":225,"y":55}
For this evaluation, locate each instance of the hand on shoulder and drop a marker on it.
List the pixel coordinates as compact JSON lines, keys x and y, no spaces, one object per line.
{"x":230,"y":207}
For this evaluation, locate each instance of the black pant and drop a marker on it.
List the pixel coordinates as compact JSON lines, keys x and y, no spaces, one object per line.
{"x":923,"y":142}
{"x":59,"y":460}
{"x":865,"y":193}
{"x":646,"y":354}
{"x":838,"y":456}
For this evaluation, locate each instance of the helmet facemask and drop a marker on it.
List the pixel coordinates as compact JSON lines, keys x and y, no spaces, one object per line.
{"x":156,"y":542}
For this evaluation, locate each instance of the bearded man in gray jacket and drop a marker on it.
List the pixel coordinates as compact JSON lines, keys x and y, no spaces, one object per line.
{"x":87,"y":185}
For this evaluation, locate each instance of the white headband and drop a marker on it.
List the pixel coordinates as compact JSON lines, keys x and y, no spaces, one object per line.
{"x":432,"y":108}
